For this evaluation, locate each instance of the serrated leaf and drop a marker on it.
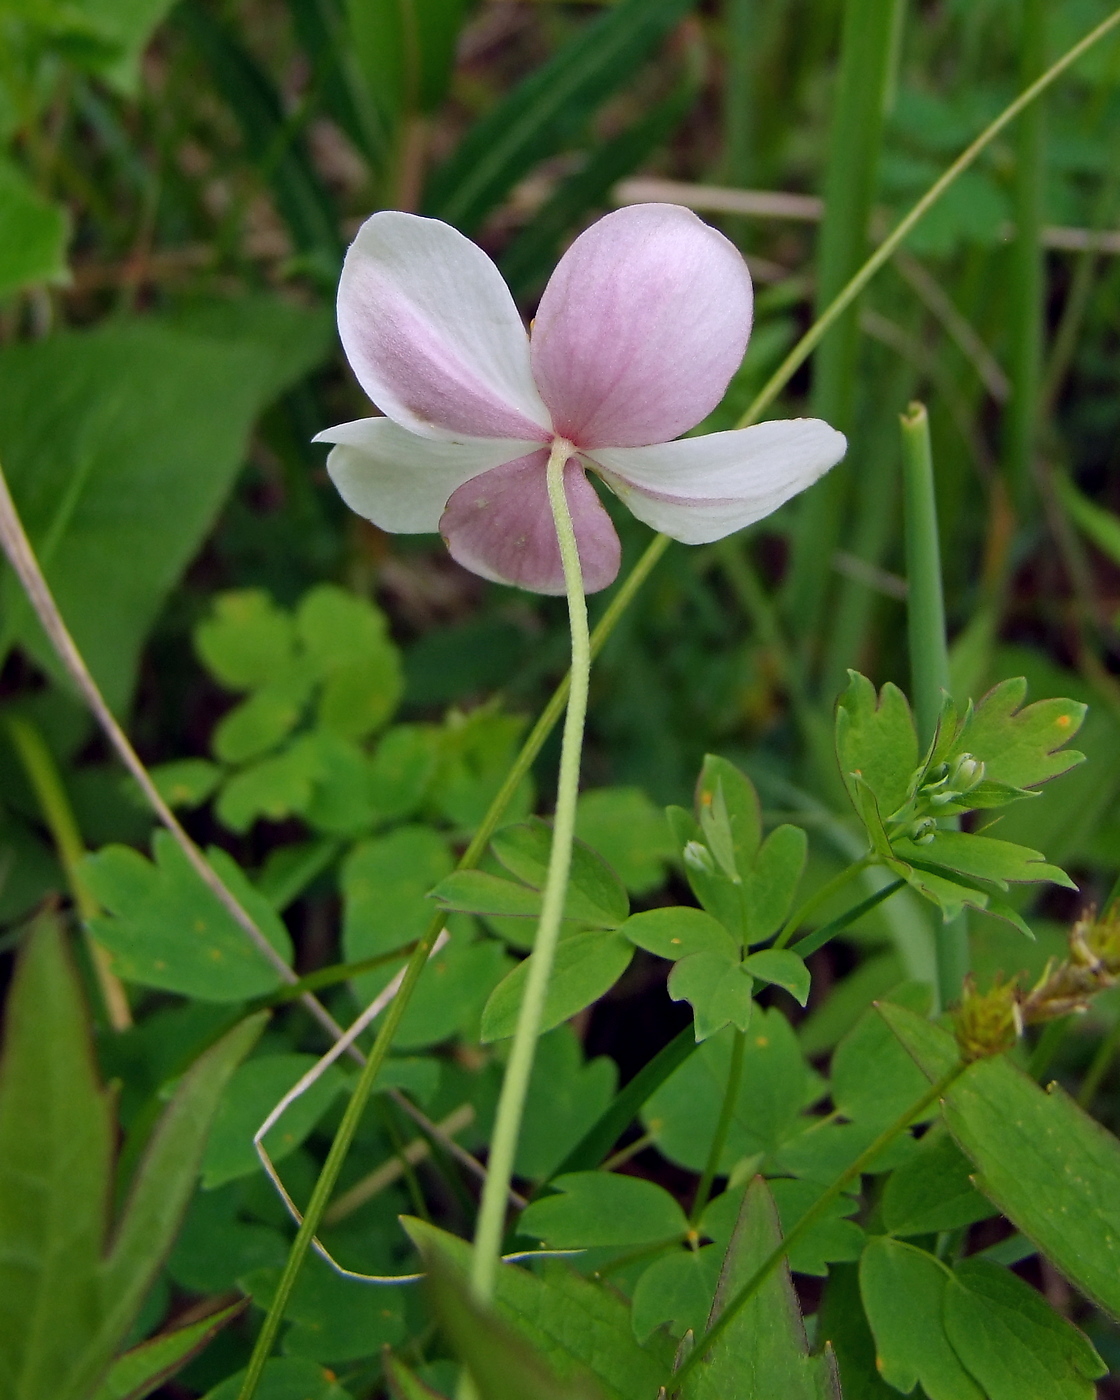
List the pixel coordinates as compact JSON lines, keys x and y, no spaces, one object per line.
{"x":587,"y":966}
{"x":595,"y":894}
{"x":1012,"y":1341}
{"x":166,"y":929}
{"x":771,"y":884}
{"x":140,"y":1371}
{"x":764,"y":1351}
{"x":603,"y":1209}
{"x":277,"y":787}
{"x":1021,"y":745}
{"x":248,"y":641}
{"x":903,"y":1292}
{"x":876,"y":740}
{"x":677,"y":931}
{"x":782,"y":967}
{"x":718,"y":989}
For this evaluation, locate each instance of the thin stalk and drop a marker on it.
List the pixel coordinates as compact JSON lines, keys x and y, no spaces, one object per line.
{"x":818,"y":1209}
{"x":723,"y":1127}
{"x":808,"y":945}
{"x":1101,"y":1064}
{"x":867,"y":49}
{"x":1027,"y":280}
{"x":54,"y":803}
{"x":929,"y":651}
{"x":822,"y":896}
{"x":515,"y":1084}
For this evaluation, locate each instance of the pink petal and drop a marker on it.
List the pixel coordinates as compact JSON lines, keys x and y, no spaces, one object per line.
{"x":402,"y":481}
{"x":432,"y":334}
{"x":500,"y":526}
{"x":703,"y":488}
{"x":641,"y":327}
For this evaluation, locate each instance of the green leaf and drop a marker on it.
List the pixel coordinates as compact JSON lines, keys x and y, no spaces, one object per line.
{"x":1051,"y":1169}
{"x":931,"y":1047}
{"x":716,"y":892}
{"x":677,"y":931}
{"x":259,"y":723}
{"x":903,"y":1292}
{"x":842,"y":1320}
{"x":683,"y":1113}
{"x":726,"y":795}
{"x":782,"y":967}
{"x":876,"y":739}
{"x":406,"y":58}
{"x":331,"y":1318}
{"x":834,"y":1239}
{"x":275,"y":788}
{"x":166,"y":929}
{"x":284,"y":1378}
{"x":577,"y":1325}
{"x":587,"y":966}
{"x":873,"y":1078}
{"x":764,"y":1352}
{"x":984,"y":858}
{"x":718,"y":989}
{"x":55,"y":1161}
{"x":33,"y":234}
{"x":595,"y":893}
{"x":385,"y":882}
{"x":566,"y":1097}
{"x":677,"y":1290}
{"x":451,"y":992}
{"x":933,"y":1191}
{"x":624,"y":827}
{"x":1020,"y":746}
{"x":603,"y":1209}
{"x":1099,"y":525}
{"x":477,"y":892}
{"x":530,"y":122}
{"x":402,"y":769}
{"x":186,"y":782}
{"x":345,"y":639}
{"x":770,"y":886}
{"x":140,"y":1371}
{"x":248,"y":641}
{"x":1012,"y":1341}
{"x":403,"y":1385}
{"x":253,"y":1092}
{"x":114,"y":521}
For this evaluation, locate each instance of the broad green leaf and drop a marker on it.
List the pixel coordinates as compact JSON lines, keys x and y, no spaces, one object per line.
{"x":903,"y":1291}
{"x":677,"y":931}
{"x":628,"y":831}
{"x":33,"y":234}
{"x":577,"y":1325}
{"x":385,"y":882}
{"x":55,"y":1162}
{"x":587,"y":966}
{"x":833,"y":1239}
{"x":120,"y":445}
{"x":166,"y":929}
{"x":566,"y":1096}
{"x":1051,"y":1169}
{"x":595,"y":894}
{"x":255,"y":1089}
{"x":333,"y":1319}
{"x":345,"y":639}
{"x":476,"y":752}
{"x":876,"y":739}
{"x":841,"y":1320}
{"x":771,"y":884}
{"x":602,"y":1208}
{"x":931,"y":1048}
{"x":260,"y":722}
{"x":247,"y":642}
{"x":933,"y":1191}
{"x":186,"y":782}
{"x":782,"y":967}
{"x":276,"y":787}
{"x":340,"y":802}
{"x":985,"y":858}
{"x":1013,"y":1342}
{"x":140,"y":1371}
{"x":725,"y":790}
{"x":717,"y":987}
{"x":216,"y":1247}
{"x":683,"y":1113}
{"x":405,"y":57}
{"x":284,"y":1378}
{"x":764,"y":1352}
{"x":401,"y":770}
{"x":873,"y":1079}
{"x":478,"y":892}
{"x":676,"y":1290}
{"x":1021,"y":745}
{"x":530,"y":122}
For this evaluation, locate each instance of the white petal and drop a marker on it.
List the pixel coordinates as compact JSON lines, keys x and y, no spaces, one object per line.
{"x":433,"y":335}
{"x":701,"y":489}
{"x":402,"y":481}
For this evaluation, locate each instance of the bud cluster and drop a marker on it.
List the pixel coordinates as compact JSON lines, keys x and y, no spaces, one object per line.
{"x":933,"y":793}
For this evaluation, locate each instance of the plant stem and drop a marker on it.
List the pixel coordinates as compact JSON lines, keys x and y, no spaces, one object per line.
{"x":929,"y":652}
{"x":825,"y":893}
{"x":723,"y":1126}
{"x":44,"y":777}
{"x":806,"y":1223}
{"x":1025,"y":309}
{"x":808,"y":945}
{"x":515,"y":1085}
{"x":1100,"y":1066}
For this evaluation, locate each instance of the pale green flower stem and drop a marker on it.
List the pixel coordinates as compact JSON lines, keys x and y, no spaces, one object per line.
{"x":519,"y":1067}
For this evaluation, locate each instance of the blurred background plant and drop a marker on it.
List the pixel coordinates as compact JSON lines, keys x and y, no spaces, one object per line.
{"x":334,"y":708}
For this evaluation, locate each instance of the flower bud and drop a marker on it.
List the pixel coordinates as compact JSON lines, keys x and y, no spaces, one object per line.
{"x":966,"y":772}
{"x":922,"y":832}
{"x":697,"y":857}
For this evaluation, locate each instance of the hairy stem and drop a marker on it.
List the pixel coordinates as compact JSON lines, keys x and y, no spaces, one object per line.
{"x":515,"y":1085}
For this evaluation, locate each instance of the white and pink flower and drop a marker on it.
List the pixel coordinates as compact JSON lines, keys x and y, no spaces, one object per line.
{"x":639,"y":331}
